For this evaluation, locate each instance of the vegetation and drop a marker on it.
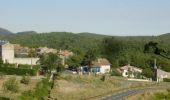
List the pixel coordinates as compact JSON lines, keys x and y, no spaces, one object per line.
{"x":138,"y":51}
{"x":11,"y":85}
{"x":39,"y":93}
{"x":90,"y":56}
{"x":71,"y":87}
{"x":17,"y":71}
{"x":162,"y":95}
{"x":25,"y":80}
{"x":51,"y":62}
{"x":166,"y":79}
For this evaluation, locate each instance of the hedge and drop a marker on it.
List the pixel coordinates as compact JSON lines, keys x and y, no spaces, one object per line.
{"x":166,"y":79}
{"x":35,"y":67}
{"x":4,"y":98}
{"x":17,"y":71}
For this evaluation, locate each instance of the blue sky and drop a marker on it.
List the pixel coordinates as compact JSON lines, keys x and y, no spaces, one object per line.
{"x":113,"y":17}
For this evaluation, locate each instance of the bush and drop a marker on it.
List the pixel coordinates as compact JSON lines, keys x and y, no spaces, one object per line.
{"x":17,"y":71}
{"x":103,"y":78}
{"x":35,"y":67}
{"x":166,"y":79}
{"x":41,"y":91}
{"x":11,"y":85}
{"x":1,"y":75}
{"x":115,"y":73}
{"x":25,"y":80}
{"x":4,"y":98}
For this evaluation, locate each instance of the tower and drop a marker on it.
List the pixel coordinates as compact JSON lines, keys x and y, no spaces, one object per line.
{"x":7,"y":53}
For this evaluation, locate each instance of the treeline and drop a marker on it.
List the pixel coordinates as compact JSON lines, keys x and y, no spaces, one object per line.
{"x":119,"y":50}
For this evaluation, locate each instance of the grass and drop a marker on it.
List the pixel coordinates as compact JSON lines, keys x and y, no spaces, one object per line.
{"x":74,"y":87}
{"x":159,"y":93}
{"x":70,"y":87}
{"x":22,"y":87}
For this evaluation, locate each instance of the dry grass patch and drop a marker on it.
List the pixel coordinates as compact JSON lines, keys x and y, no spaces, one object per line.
{"x":82,"y":87}
{"x":22,"y":87}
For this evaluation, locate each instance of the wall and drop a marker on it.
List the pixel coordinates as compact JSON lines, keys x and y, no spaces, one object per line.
{"x":29,"y":61}
{"x":8,"y":56}
{"x":124,"y":73}
{"x":105,"y":69}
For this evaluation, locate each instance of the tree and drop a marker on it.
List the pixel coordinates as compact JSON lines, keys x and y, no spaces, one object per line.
{"x":90,"y":56}
{"x":147,"y":73}
{"x":50,"y":62}
{"x":74,"y":61}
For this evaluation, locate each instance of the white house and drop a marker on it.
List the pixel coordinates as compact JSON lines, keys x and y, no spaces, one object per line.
{"x":129,"y":71}
{"x":101,"y":66}
{"x":160,"y":74}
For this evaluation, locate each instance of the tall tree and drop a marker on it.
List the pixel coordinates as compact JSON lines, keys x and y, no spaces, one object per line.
{"x":50,"y":62}
{"x":90,"y":56}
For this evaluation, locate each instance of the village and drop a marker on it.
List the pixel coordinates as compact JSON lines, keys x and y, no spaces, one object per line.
{"x":16,"y":54}
{"x":34,"y":66}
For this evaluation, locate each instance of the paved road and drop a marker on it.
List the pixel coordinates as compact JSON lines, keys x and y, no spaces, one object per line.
{"x":123,"y":94}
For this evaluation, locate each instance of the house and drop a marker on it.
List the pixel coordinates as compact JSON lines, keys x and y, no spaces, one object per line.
{"x":129,"y":71}
{"x":160,"y":74}
{"x":44,"y":50}
{"x":64,"y":55}
{"x":101,"y":66}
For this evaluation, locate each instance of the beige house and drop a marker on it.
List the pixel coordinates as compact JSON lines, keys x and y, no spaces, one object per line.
{"x":129,"y":71}
{"x":44,"y":50}
{"x":64,"y":55}
{"x":160,"y":74}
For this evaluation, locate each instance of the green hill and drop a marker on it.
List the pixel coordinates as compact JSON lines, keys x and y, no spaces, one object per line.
{"x":4,"y":31}
{"x":119,"y":50}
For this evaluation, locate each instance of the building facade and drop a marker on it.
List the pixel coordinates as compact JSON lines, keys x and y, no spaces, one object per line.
{"x":7,"y":55}
{"x":129,"y":71}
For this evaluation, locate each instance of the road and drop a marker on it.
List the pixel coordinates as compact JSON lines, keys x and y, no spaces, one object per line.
{"x":122,"y":95}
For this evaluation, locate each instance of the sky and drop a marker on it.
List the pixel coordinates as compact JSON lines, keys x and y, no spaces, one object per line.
{"x":110,"y":17}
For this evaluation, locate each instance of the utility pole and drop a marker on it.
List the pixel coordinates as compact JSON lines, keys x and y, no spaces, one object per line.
{"x":155,"y":71}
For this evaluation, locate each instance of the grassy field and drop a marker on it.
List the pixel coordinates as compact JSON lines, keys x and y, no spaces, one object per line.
{"x":161,"y":92}
{"x":73,"y":87}
{"x":22,"y":87}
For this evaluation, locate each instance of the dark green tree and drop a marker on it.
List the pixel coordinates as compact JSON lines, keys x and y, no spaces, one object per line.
{"x":50,"y":62}
{"x":147,"y":73}
{"x":90,"y":56}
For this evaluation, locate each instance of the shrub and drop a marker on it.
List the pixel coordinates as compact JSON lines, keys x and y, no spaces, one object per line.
{"x":103,"y":78}
{"x":4,"y":98}
{"x":115,"y":73}
{"x":25,"y":80}
{"x":1,"y":75}
{"x":35,"y":67}
{"x":11,"y":85}
{"x":17,"y":71}
{"x":166,"y":79}
{"x":41,"y":91}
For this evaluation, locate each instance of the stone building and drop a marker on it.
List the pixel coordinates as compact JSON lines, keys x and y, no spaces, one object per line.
{"x":7,"y":55}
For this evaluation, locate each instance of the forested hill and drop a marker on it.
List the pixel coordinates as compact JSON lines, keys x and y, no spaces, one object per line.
{"x":5,"y":32}
{"x":119,"y":50}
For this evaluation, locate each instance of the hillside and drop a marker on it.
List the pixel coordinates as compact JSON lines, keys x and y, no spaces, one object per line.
{"x":4,"y":31}
{"x":119,"y":50}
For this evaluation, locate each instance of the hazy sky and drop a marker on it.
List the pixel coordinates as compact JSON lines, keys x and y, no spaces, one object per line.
{"x":114,"y":17}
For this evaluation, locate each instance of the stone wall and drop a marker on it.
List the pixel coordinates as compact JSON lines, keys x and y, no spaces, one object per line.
{"x":7,"y":52}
